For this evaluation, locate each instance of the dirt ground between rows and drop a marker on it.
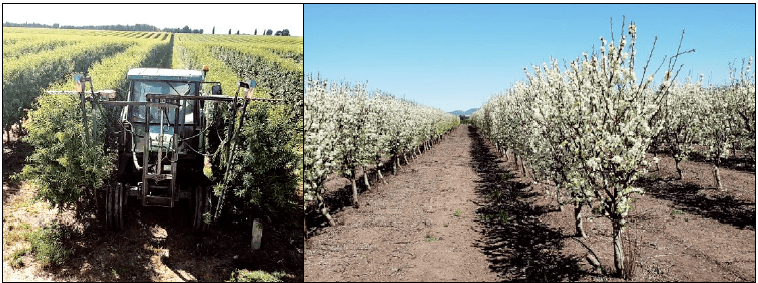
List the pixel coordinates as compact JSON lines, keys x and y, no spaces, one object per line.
{"x":156,"y":244}
{"x":461,"y":212}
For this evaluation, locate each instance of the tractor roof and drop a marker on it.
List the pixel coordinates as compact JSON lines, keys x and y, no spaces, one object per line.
{"x":159,"y":74}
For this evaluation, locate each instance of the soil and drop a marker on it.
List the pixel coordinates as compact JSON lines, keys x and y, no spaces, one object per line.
{"x":156,"y":244}
{"x":463,"y":212}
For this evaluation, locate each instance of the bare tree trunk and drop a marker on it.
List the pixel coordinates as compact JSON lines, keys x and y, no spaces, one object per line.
{"x":355,"y":192}
{"x":305,"y":222}
{"x":365,"y":179}
{"x":578,"y":217}
{"x":657,"y":167}
{"x":679,"y":168}
{"x":717,"y":176}
{"x":405,"y":158}
{"x":618,"y":251}
{"x":734,"y":149}
{"x":523,"y":168}
{"x":325,"y":211}
{"x":395,"y":164}
{"x":379,"y":172}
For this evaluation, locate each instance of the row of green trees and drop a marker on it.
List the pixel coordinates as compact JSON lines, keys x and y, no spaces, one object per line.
{"x":26,"y":74}
{"x":141,"y":27}
{"x":284,"y":32}
{"x":64,"y":166}
{"x":67,"y":164}
{"x":136,"y":27}
{"x":267,"y":167}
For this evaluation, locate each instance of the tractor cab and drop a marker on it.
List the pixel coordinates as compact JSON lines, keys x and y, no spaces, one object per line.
{"x":162,"y":135}
{"x":161,"y":82}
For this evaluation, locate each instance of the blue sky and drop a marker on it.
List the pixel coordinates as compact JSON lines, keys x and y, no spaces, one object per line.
{"x":455,"y":57}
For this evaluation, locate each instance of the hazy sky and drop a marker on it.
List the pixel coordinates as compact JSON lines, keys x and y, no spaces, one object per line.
{"x":455,"y":57}
{"x":243,"y":17}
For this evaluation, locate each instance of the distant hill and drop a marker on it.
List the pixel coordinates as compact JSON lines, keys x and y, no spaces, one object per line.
{"x":466,"y":113}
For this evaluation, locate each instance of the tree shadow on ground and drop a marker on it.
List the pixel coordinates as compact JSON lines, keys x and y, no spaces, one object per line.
{"x":157,"y":244}
{"x":518,"y":245}
{"x":14,"y":158}
{"x":691,"y":199}
{"x":339,"y":199}
{"x":335,"y":201}
{"x":101,"y":255}
{"x":741,"y":163}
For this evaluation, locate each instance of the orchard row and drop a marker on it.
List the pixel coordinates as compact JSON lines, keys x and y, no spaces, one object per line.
{"x":586,"y":128}
{"x":64,"y":168}
{"x":346,"y":128}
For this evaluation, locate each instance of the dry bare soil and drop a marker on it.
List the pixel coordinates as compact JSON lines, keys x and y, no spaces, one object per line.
{"x":156,"y":244}
{"x":462,"y":212}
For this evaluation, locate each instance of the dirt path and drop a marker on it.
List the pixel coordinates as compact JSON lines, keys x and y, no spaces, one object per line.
{"x":509,"y":227}
{"x":419,"y":227}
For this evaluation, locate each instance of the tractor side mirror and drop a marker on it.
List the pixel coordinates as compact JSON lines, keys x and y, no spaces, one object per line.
{"x":250,"y":85}
{"x":216,"y":90}
{"x":80,"y":81}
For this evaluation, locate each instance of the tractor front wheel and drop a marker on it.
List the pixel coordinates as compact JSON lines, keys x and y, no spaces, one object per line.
{"x":202,"y":206}
{"x":114,"y":207}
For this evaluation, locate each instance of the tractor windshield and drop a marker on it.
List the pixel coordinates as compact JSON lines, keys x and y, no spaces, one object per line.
{"x":142,"y":88}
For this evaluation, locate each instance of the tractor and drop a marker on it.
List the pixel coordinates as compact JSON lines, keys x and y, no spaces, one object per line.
{"x":161,"y":138}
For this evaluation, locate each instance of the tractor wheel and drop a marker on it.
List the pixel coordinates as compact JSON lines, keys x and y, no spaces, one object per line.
{"x":114,"y":207}
{"x":201,"y":204}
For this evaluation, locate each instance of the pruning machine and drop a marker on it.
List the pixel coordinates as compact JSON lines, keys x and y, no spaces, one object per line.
{"x":161,"y":139}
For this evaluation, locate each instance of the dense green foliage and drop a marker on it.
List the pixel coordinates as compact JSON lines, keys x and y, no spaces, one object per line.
{"x":267,"y":162}
{"x":33,"y":46}
{"x":263,"y":168}
{"x":280,"y":78}
{"x":63,"y":166}
{"x":256,"y":276}
{"x":48,"y":244}
{"x":25,"y":76}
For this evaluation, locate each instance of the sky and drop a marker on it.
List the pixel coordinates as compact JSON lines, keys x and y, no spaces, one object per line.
{"x":455,"y":57}
{"x":243,"y":17}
